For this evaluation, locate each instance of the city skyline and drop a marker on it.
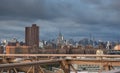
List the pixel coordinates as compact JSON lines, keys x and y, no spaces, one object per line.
{"x":75,"y":19}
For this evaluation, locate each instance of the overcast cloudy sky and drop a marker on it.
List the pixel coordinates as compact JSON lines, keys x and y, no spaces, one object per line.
{"x":74,"y":18}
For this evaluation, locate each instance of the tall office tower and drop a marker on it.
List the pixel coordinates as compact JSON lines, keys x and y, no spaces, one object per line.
{"x":32,"y":35}
{"x":60,"y":39}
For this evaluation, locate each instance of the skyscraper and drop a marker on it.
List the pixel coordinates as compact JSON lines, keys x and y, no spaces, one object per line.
{"x":32,"y":35}
{"x":60,"y":39}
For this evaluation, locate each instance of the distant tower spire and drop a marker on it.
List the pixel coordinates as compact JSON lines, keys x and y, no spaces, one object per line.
{"x":60,"y":34}
{"x":60,"y":38}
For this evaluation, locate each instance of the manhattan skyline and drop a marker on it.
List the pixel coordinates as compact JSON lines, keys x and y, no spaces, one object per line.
{"x":75,"y":19}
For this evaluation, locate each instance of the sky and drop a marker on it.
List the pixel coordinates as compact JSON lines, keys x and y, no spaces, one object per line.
{"x":75,"y":19}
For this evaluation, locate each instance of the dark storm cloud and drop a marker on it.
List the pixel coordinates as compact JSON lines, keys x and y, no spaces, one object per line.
{"x":21,"y":9}
{"x":37,"y":9}
{"x":74,"y":18}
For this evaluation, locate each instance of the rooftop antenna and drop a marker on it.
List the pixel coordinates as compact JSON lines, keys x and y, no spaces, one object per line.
{"x":93,"y":41}
{"x":90,"y":36}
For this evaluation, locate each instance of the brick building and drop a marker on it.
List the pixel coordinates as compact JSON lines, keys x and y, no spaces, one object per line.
{"x":17,"y":49}
{"x":32,"y":35}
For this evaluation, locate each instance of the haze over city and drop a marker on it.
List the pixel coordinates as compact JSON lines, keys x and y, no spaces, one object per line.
{"x":59,"y":36}
{"x":75,"y":19}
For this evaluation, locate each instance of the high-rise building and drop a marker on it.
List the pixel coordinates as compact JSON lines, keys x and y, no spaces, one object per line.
{"x":32,"y":35}
{"x":60,"y":39}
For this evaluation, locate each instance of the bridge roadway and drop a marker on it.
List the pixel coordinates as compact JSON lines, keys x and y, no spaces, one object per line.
{"x":57,"y":61}
{"x":21,"y":64}
{"x":70,"y":62}
{"x":106,"y":61}
{"x":94,"y":62}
